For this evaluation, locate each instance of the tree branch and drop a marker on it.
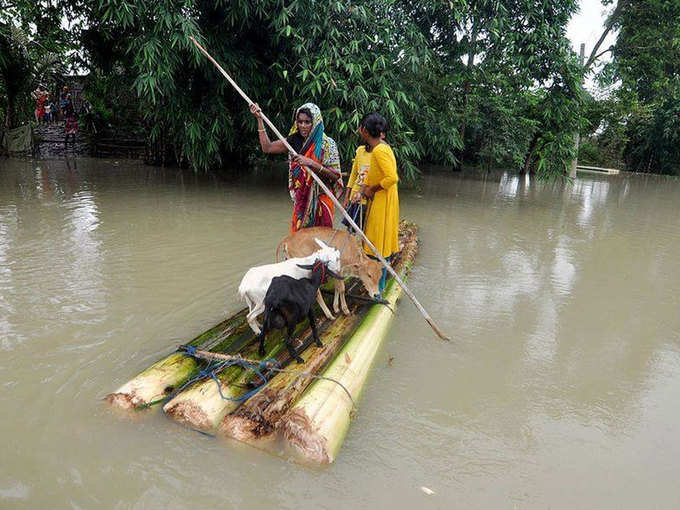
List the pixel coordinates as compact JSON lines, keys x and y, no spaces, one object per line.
{"x":611,"y":48}
{"x":610,"y":23}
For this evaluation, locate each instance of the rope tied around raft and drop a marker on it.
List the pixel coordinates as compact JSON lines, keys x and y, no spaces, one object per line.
{"x":247,"y":365}
{"x":258,"y":367}
{"x":211,"y":371}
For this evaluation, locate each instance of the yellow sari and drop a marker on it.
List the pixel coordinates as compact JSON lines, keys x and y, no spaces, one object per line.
{"x":382,"y":223}
{"x":362,"y":161}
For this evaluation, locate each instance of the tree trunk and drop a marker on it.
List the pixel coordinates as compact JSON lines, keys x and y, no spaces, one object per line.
{"x":9,"y":115}
{"x":315,"y":426}
{"x":467,"y":87}
{"x":169,"y":373}
{"x":530,"y":154}
{"x":577,"y":135}
{"x":594,"y":55}
{"x":609,"y":24}
{"x":574,"y":162}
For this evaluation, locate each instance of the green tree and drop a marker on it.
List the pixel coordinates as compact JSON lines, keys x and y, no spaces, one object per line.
{"x":492,"y":82}
{"x":343,"y":55}
{"x":33,"y":47}
{"x":15,"y":69}
{"x":643,"y":110}
{"x":495,"y":60}
{"x":399,"y":57}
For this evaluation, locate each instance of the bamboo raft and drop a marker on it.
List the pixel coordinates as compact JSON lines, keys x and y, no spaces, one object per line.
{"x":279,"y":406}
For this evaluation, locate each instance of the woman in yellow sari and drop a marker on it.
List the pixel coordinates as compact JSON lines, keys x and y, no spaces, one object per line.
{"x":380,"y":188}
{"x":355,"y":202}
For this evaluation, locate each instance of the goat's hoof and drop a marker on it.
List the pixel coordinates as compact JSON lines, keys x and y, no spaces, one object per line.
{"x":346,"y":311}
{"x":318,"y":343}
{"x":299,"y":359}
{"x":261,"y":352}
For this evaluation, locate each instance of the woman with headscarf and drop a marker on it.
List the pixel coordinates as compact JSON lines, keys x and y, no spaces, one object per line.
{"x":316,"y":151}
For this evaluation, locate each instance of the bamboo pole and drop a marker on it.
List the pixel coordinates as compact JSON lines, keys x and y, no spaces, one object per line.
{"x":330,"y":195}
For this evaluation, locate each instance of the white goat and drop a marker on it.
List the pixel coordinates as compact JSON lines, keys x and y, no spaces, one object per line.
{"x":256,"y":281}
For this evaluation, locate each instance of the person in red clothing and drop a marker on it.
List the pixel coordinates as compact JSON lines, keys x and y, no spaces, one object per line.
{"x":318,"y":152}
{"x":40,"y":96}
{"x":71,"y":125}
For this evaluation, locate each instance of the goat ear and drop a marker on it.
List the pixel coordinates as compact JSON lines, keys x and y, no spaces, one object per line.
{"x":334,"y":274}
{"x":305,"y":266}
{"x":320,"y":243}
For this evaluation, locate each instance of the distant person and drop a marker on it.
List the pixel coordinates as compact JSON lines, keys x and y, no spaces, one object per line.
{"x":62,"y":106}
{"x":317,"y":151}
{"x":54,"y":109}
{"x":40,"y":96}
{"x":381,"y":191}
{"x":85,"y":107}
{"x":65,"y":102}
{"x":71,"y":125}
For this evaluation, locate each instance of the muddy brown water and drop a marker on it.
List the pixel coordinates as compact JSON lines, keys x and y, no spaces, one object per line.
{"x":560,"y":390}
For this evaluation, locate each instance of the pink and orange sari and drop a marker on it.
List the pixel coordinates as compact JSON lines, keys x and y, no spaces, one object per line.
{"x":311,"y":206}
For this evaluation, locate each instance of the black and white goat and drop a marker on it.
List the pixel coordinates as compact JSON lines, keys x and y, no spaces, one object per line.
{"x":256,"y":281}
{"x":289,"y":301}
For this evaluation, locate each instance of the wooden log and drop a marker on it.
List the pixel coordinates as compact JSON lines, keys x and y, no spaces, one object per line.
{"x":316,"y":425}
{"x":254,"y":421}
{"x":166,"y":375}
{"x":202,"y":405}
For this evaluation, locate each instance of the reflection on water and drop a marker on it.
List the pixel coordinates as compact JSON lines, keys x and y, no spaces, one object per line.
{"x":8,"y":226}
{"x":562,"y":299}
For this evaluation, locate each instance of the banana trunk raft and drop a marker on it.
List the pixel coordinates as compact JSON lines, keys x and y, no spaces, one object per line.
{"x":269,"y":402}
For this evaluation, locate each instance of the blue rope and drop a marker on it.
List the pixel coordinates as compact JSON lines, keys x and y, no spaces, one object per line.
{"x":211,"y":372}
{"x":264,"y":362}
{"x":246,"y":365}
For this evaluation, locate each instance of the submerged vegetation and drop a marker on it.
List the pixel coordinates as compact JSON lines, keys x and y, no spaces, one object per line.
{"x":483,"y":83}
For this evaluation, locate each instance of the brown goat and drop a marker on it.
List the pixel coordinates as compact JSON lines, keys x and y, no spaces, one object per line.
{"x":353,"y":261}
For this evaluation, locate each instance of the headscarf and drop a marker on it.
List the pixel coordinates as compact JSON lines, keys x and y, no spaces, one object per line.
{"x":309,"y":200}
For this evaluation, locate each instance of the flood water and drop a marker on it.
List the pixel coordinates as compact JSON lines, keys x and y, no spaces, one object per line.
{"x":560,"y":389}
